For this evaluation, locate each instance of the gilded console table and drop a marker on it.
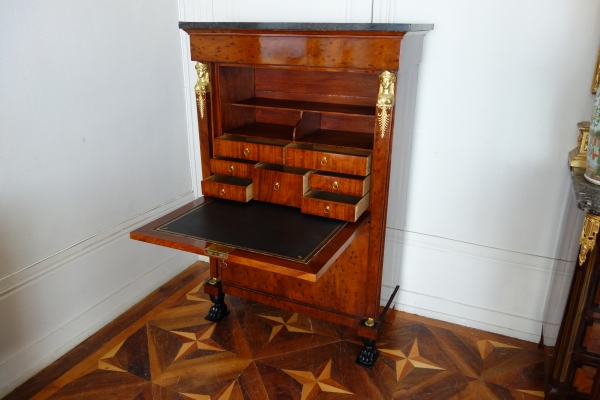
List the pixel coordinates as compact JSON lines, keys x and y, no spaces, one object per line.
{"x":573,"y":372}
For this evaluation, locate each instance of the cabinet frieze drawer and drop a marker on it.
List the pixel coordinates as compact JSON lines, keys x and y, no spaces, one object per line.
{"x":228,"y":187}
{"x":334,"y":205}
{"x":352,"y":162}
{"x":232,"y":167}
{"x":280,"y":184}
{"x":340,"y":183}
{"x":249,"y":149}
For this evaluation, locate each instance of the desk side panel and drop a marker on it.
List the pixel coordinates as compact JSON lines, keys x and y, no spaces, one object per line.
{"x":340,"y":289}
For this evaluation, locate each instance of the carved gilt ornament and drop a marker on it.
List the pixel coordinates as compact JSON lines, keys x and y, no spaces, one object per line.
{"x":385,"y":100}
{"x":588,"y":236}
{"x":202,"y":87}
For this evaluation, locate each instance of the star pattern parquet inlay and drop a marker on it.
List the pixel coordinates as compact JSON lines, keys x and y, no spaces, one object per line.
{"x":312,"y":385}
{"x":261,"y":352}
{"x":281,"y":324}
{"x":405,"y":364}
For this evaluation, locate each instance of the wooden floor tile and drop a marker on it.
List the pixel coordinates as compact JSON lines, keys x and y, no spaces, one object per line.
{"x":261,"y":352}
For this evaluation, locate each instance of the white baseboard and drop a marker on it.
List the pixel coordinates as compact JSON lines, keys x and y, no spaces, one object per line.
{"x":495,"y":290}
{"x":53,"y":310}
{"x":479,"y":318}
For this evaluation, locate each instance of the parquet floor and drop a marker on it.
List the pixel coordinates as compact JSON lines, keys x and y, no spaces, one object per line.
{"x":261,"y":352}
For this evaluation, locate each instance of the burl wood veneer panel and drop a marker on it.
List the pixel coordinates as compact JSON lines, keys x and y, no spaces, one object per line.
{"x":340,"y":289}
{"x":307,"y":51}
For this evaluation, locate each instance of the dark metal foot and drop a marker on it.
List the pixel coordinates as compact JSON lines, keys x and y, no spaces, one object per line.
{"x":219,"y":310}
{"x":368,"y":354}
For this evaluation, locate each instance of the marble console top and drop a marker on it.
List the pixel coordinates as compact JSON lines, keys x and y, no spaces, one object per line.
{"x":299,"y":26}
{"x":586,"y":193}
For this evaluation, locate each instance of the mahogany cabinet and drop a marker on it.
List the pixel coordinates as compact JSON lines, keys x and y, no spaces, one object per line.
{"x":296,"y":123}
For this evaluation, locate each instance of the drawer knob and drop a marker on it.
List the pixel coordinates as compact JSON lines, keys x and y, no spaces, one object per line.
{"x":223,"y":264}
{"x":246,"y":151}
{"x":222,"y":192}
{"x":276,"y":187}
{"x":335,"y":185}
{"x":324,"y":160}
{"x":326,"y":210}
{"x":231,"y":169}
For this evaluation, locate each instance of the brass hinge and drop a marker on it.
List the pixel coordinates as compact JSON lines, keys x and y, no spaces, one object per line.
{"x":218,"y":250}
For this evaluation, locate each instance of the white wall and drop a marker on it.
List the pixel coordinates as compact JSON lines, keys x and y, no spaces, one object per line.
{"x":491,"y":226}
{"x":93,"y":144}
{"x":489,"y":235}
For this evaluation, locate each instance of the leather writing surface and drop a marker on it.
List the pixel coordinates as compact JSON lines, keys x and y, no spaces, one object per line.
{"x":256,"y":226}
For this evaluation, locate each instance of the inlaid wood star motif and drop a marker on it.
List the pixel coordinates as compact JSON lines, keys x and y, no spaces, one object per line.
{"x":109,"y":362}
{"x":200,"y":340}
{"x":487,"y":346}
{"x":406,"y":364}
{"x":284,"y":324}
{"x":194,"y":294}
{"x":224,"y":395}
{"x":311,"y":385}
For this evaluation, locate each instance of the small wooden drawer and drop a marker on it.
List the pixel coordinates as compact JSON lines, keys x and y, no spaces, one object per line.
{"x":591,"y":336}
{"x":245,"y":148}
{"x":583,"y":376}
{"x":228,"y":187}
{"x":232,"y":167}
{"x":334,"y":205}
{"x":281,"y":184}
{"x":353,"y":162}
{"x":340,"y":183}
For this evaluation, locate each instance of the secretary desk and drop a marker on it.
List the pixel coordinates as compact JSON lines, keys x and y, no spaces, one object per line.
{"x":296,"y":123}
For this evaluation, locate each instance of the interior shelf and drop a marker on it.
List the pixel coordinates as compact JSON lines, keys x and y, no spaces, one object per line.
{"x":264,"y":131}
{"x":352,"y":140}
{"x":328,"y":108}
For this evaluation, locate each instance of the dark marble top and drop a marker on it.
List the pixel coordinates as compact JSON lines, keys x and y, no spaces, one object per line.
{"x":299,"y":26}
{"x":587,"y":194}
